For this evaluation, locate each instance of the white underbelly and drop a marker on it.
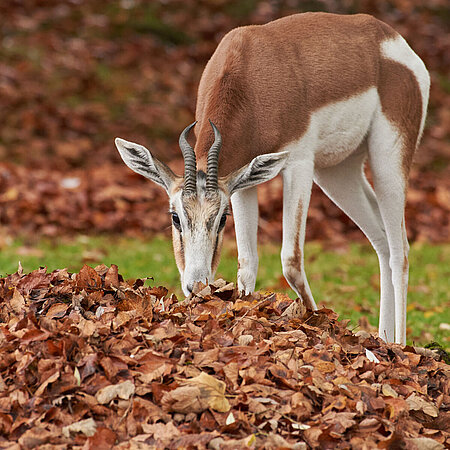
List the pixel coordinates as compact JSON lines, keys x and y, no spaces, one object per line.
{"x":336,"y":130}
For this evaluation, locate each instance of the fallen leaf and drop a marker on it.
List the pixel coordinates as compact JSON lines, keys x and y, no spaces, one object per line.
{"x":57,"y":310}
{"x":417,"y":403}
{"x":424,"y":443}
{"x":196,"y":395}
{"x":88,"y":278}
{"x":164,"y":432}
{"x":387,"y":390}
{"x":104,"y":438}
{"x":87,"y":427}
{"x":17,"y":302}
{"x":122,"y":390}
{"x":51,"y":379}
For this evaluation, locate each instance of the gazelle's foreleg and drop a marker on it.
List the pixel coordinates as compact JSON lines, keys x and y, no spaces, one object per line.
{"x":297,"y":184}
{"x":245,"y":214}
{"x":349,"y":189}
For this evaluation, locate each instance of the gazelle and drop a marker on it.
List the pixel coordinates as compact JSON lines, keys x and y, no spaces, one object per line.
{"x":311,"y":95}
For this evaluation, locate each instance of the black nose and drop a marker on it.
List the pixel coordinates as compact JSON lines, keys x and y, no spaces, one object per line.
{"x":190,"y":287}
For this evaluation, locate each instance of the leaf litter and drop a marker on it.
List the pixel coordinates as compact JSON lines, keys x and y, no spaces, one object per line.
{"x":90,"y":360}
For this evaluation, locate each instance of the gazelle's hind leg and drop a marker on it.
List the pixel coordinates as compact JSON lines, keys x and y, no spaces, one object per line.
{"x":297,"y":183}
{"x":396,"y":128}
{"x":347,"y":186}
{"x":387,"y":150}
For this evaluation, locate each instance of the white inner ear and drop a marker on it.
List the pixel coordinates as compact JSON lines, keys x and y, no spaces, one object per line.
{"x":260,"y":169}
{"x":141,"y":161}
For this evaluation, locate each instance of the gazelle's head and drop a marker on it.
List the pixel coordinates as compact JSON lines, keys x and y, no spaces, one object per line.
{"x":199,"y":201}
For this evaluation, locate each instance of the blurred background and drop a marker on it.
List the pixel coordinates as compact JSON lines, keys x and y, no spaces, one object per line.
{"x":75,"y":74}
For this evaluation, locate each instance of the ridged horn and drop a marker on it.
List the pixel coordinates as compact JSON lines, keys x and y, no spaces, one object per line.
{"x":212,"y":168}
{"x":190,"y":163}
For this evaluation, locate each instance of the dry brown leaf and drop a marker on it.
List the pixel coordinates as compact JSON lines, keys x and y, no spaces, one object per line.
{"x":88,"y":278}
{"x":57,"y":310}
{"x":112,"y":277}
{"x":51,"y":379}
{"x":423,"y":443}
{"x":164,"y":432}
{"x":17,"y":302}
{"x":122,"y":390}
{"x":197,"y":394}
{"x":87,"y":427}
{"x":417,"y":403}
{"x":104,"y":438}
{"x":386,"y":389}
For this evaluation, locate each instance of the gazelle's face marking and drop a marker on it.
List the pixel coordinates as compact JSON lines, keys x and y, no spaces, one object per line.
{"x":199,"y":201}
{"x":197,"y":231}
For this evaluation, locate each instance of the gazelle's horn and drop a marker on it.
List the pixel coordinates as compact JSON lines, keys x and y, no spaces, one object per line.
{"x":190,"y":163}
{"x":212,"y":168}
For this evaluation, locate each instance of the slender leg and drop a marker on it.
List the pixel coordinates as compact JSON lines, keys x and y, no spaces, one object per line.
{"x":391,"y":207}
{"x":347,"y":186}
{"x":245,"y":213}
{"x":386,"y":149}
{"x":297,"y":184}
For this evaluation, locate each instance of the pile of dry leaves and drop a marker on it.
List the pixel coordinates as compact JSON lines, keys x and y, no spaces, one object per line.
{"x":91,"y":361}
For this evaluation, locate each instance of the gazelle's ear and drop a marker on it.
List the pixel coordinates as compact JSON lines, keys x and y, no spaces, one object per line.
{"x":139,"y":159}
{"x":260,"y":169}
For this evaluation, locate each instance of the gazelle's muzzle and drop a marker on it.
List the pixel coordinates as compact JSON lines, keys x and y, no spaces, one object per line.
{"x":197,"y":269}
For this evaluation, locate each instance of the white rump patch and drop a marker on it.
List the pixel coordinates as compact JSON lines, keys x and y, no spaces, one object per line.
{"x":398,"y":50}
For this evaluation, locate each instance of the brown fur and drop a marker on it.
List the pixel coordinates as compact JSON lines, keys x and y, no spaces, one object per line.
{"x":295,"y":263}
{"x":177,"y":185}
{"x":200,"y":212}
{"x":401,"y":100}
{"x":405,"y":266}
{"x":217,"y":252}
{"x":398,"y":83}
{"x":178,"y":248}
{"x":264,"y":81}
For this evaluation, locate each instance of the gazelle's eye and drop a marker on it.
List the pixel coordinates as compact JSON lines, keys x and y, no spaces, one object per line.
{"x":223,"y":221}
{"x":176,"y":221}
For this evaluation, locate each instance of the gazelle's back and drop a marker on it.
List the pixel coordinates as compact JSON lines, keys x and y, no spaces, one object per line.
{"x":264,"y":81}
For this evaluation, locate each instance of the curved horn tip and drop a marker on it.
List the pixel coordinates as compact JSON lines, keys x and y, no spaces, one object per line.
{"x":185,"y":132}
{"x":192,"y":125}
{"x":217,"y":136}
{"x":213,"y":126}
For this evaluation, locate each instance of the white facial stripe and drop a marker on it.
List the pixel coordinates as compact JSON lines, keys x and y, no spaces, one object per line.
{"x":199,"y":238}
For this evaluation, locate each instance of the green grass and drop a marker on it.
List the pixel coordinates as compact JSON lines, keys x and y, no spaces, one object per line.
{"x":345,"y":280}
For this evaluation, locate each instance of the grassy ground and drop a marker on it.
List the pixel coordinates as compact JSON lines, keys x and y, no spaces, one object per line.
{"x":345,"y":280}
